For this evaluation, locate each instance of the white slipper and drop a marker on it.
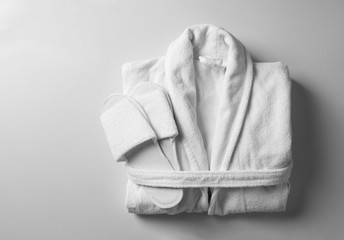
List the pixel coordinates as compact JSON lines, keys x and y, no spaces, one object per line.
{"x":133,"y":132}
{"x":157,"y":105}
{"x":125,"y":126}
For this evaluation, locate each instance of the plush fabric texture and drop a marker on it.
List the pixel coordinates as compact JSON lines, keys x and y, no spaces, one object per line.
{"x":157,"y":106}
{"x":124,"y":135}
{"x":233,"y":119}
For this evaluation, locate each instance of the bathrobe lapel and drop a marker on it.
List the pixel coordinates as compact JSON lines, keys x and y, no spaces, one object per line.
{"x":233,"y":103}
{"x":180,"y":83}
{"x":233,"y":100}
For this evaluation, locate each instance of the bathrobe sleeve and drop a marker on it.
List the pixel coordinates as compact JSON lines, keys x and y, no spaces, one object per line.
{"x":266,"y":137}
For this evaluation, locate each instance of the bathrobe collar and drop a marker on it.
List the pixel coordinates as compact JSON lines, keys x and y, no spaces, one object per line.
{"x":214,"y":42}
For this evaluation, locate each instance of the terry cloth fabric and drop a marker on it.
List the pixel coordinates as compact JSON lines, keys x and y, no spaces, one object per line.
{"x":124,"y":135}
{"x":233,"y":118}
{"x":136,"y":111}
{"x":158,"y":107}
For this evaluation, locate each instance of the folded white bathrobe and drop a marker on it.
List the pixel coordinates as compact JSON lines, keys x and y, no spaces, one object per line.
{"x":233,"y":118}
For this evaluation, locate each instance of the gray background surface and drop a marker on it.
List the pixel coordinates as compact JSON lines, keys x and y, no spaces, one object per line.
{"x":60,"y":59}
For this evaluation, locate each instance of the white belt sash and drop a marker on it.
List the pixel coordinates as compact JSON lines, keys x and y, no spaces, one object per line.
{"x":195,"y":179}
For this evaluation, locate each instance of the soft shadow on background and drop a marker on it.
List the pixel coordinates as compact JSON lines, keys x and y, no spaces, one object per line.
{"x":306,"y":162}
{"x":306,"y":157}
